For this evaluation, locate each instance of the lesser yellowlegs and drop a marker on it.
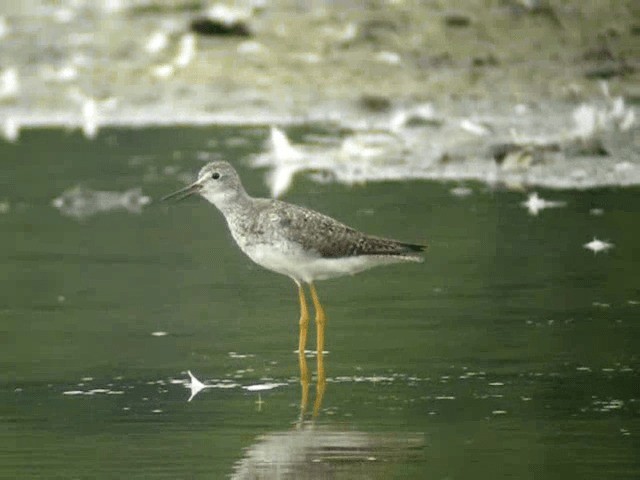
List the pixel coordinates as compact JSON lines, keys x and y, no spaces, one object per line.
{"x":297,"y":242}
{"x":302,"y":244}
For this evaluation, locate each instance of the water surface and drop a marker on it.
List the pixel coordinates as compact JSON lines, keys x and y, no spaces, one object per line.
{"x":511,"y":352}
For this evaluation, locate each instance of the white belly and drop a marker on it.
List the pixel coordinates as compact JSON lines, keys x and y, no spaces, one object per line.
{"x":303,"y":267}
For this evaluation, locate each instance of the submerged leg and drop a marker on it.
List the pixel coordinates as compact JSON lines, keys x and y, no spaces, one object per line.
{"x":302,"y":343}
{"x":321,"y":321}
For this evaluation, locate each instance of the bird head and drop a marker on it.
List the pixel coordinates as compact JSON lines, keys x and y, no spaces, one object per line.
{"x":217,"y":182}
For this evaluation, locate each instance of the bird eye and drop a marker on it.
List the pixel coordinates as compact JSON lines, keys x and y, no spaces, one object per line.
{"x":215,"y":175}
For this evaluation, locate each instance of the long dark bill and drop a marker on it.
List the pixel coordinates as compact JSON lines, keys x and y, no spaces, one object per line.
{"x":183,"y":192}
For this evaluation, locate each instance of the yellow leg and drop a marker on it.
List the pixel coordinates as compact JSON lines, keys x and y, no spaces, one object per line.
{"x":304,"y":386}
{"x":320,"y":386}
{"x":321,"y":321}
{"x":302,"y":343}
{"x":304,"y":320}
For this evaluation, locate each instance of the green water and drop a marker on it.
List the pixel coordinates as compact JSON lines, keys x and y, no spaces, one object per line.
{"x":512,"y":352}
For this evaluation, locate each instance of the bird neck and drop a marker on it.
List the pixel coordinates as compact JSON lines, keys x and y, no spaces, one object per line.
{"x":236,"y":202}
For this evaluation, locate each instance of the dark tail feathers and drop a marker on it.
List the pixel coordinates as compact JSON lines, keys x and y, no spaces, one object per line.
{"x":413,"y":247}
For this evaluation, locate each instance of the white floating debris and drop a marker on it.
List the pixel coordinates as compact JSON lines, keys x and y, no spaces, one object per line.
{"x":361,"y":156}
{"x":94,"y":391}
{"x":461,"y":192}
{"x":535,"y":204}
{"x":628,"y":121}
{"x":390,"y":58}
{"x":157,"y":410}
{"x":349,"y":33}
{"x":90,"y":118}
{"x":64,"y":15}
{"x":113,"y":6}
{"x":159,"y":334}
{"x":366,"y":148}
{"x":417,"y":115}
{"x":620,"y":115}
{"x":311,"y":353}
{"x":285,"y":157}
{"x":608,"y":405}
{"x":90,"y":110}
{"x":9,"y":84}
{"x":250,"y":47}
{"x":623,"y":167}
{"x":195,"y":385}
{"x":239,"y":355}
{"x":590,"y":120}
{"x":157,"y":42}
{"x":345,"y":35}
{"x":186,"y":50}
{"x":229,"y":15}
{"x":521,"y":109}
{"x":79,"y":202}
{"x":11,"y":129}
{"x":63,"y":74}
{"x":499,"y":412}
{"x":4,"y":27}
{"x":263,"y":386}
{"x":98,"y":390}
{"x":281,"y":147}
{"x":225,"y":384}
{"x":596,"y":245}
{"x":163,"y":71}
{"x":309,"y":57}
{"x":585,"y":118}
{"x":476,"y":128}
{"x":596,"y":211}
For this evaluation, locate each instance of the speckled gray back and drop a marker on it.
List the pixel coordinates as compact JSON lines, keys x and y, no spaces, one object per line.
{"x":274,"y":220}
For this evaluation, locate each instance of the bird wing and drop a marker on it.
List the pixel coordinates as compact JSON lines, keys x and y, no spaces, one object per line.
{"x":331,"y":238}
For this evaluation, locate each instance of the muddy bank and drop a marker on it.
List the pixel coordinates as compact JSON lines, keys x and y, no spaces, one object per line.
{"x":530,"y":92}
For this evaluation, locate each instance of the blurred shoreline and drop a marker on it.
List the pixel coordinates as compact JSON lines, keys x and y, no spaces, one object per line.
{"x":534,"y":92}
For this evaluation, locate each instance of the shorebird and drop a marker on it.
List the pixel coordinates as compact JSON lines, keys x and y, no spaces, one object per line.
{"x":300,"y":243}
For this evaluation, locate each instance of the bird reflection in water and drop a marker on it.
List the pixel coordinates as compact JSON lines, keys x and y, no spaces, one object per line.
{"x":328,"y":452}
{"x":321,"y":378}
{"x":318,"y":450}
